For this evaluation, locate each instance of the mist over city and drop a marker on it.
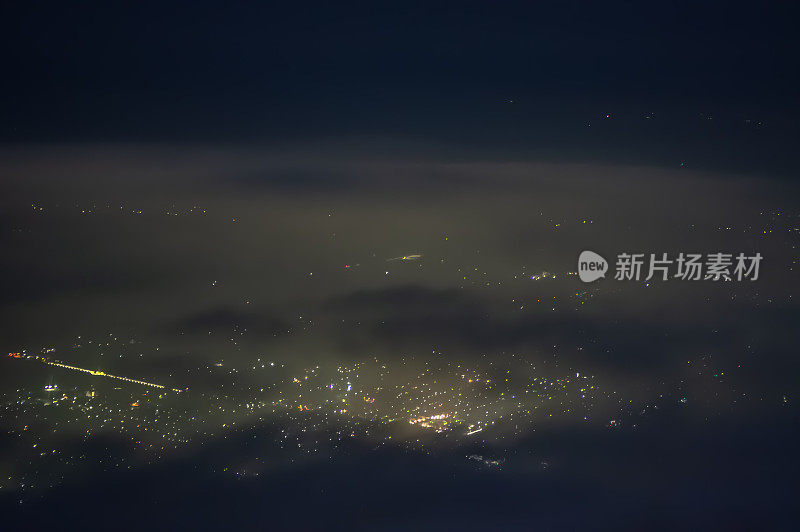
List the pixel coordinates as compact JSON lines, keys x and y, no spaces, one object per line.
{"x":317,"y":267}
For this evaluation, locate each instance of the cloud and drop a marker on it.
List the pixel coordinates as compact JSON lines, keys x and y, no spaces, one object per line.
{"x":226,"y":320}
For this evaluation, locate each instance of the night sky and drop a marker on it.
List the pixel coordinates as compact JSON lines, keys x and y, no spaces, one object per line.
{"x":335,"y":247}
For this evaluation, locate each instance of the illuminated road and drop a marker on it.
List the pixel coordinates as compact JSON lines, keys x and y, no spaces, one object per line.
{"x":415,"y":256}
{"x":97,"y":373}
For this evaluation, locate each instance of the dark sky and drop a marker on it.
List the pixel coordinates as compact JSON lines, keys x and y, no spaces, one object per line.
{"x":199,"y":70}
